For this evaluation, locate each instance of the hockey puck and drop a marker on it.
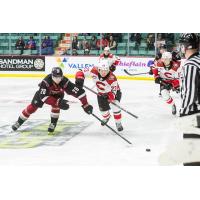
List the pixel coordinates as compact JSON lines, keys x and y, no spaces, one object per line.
{"x":148,"y":150}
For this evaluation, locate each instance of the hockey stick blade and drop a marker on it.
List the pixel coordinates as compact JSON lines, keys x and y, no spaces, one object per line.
{"x":112,"y":129}
{"x":134,"y":74}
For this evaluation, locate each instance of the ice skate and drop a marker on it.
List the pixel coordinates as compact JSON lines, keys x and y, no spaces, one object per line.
{"x":119,"y":126}
{"x":16,"y":126}
{"x":51,"y":128}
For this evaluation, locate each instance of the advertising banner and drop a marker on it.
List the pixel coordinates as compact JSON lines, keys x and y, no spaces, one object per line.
{"x":70,"y":64}
{"x":22,"y":63}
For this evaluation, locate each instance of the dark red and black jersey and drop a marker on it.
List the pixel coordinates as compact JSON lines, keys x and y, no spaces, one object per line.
{"x":49,"y":88}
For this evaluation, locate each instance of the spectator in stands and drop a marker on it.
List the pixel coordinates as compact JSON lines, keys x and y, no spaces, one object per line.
{"x":112,"y":43}
{"x":93,"y":43}
{"x":106,"y":35}
{"x":102,"y":42}
{"x":84,"y":44}
{"x":47,"y":46}
{"x":150,"y":41}
{"x":136,"y":37}
{"x":170,"y":40}
{"x":20,"y":44}
{"x":75,"y":43}
{"x":31,"y":44}
{"x":160,"y":40}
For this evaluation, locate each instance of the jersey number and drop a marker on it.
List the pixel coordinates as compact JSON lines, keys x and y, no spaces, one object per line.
{"x":75,"y":90}
{"x":43,"y":91}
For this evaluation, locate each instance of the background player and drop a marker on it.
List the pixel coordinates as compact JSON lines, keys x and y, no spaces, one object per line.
{"x":51,"y":92}
{"x":112,"y":59}
{"x":167,"y":76}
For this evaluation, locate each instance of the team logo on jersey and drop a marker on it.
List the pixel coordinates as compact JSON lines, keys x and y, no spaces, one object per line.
{"x":100,"y":85}
{"x":38,"y":63}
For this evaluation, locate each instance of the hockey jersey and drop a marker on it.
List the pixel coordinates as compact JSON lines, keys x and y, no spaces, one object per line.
{"x":106,"y":84}
{"x":171,"y":75}
{"x":113,"y":60}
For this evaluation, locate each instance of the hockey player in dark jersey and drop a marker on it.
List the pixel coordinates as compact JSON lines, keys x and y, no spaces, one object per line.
{"x":51,"y":91}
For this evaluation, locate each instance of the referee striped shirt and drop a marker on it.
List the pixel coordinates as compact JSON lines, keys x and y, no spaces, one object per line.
{"x":190,"y":86}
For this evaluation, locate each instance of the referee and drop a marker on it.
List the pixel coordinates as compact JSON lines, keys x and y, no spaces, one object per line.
{"x":190,"y":75}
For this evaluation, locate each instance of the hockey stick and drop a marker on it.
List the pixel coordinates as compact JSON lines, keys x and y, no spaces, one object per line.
{"x":112,"y":129}
{"x":135,"y":116}
{"x":134,"y":74}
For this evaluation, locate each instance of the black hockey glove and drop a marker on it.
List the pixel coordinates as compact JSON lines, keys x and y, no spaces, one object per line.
{"x":87,"y":108}
{"x":63,"y":104}
{"x":158,"y":80}
{"x":112,"y":68}
{"x":150,"y":71}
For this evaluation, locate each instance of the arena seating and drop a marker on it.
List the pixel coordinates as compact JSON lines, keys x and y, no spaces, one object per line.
{"x":62,"y":44}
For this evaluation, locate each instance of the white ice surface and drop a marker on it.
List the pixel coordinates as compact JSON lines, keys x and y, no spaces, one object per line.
{"x":96,"y":145}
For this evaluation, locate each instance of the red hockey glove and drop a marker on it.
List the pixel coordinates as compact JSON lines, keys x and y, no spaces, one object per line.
{"x":111,"y":97}
{"x":79,"y":78}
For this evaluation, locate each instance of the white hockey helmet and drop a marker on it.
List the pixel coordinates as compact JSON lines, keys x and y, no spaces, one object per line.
{"x":167,"y":55}
{"x":166,"y":59}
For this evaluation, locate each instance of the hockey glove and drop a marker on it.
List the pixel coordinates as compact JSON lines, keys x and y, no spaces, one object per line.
{"x":87,"y":108}
{"x":79,"y":78}
{"x":111,"y":97}
{"x":151,"y":71}
{"x":63,"y":104}
{"x":158,"y":80}
{"x":112,"y":68}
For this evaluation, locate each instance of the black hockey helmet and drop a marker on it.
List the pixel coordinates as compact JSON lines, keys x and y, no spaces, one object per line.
{"x":189,"y":40}
{"x":57,"y":72}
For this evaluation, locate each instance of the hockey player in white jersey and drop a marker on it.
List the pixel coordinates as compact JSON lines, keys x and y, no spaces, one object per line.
{"x":167,"y":77}
{"x":108,"y":91}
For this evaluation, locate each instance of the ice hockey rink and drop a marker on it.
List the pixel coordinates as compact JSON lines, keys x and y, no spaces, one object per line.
{"x":85,"y":141}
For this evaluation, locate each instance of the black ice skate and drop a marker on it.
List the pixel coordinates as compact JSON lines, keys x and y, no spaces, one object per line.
{"x":104,"y":121}
{"x":52,"y":127}
{"x":173,"y":109}
{"x":119,"y":126}
{"x":15,"y":126}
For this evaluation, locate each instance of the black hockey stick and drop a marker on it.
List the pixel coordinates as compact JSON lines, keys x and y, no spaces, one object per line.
{"x":134,"y":74}
{"x":135,"y":116}
{"x":112,"y":129}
